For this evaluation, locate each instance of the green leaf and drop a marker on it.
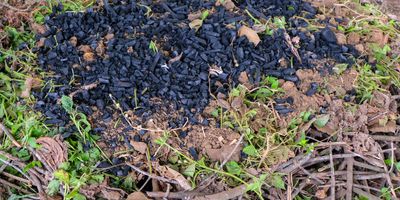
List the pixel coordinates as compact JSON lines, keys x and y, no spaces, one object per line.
{"x":340,"y":68}
{"x":228,"y":124}
{"x":398,"y":166}
{"x":250,"y":150}
{"x":215,"y":113}
{"x":32,"y":142}
{"x":322,"y":121}
{"x":67,"y":103}
{"x":252,"y":113}
{"x":31,"y":165}
{"x":190,"y":170}
{"x":305,"y":116}
{"x":79,"y":197}
{"x":204,"y":15}
{"x":99,"y":178}
{"x":253,"y":186}
{"x":235,"y":92}
{"x":64,"y":165}
{"x":62,"y":175}
{"x":278,"y":182}
{"x":128,"y":183}
{"x":53,"y":187}
{"x":233,"y":167}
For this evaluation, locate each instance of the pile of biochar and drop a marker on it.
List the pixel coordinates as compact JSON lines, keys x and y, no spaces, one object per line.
{"x":138,"y":52}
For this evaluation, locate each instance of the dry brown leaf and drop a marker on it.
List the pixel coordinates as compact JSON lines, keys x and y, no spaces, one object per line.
{"x":321,"y":194}
{"x":111,"y":195}
{"x":243,"y":78}
{"x":389,"y":127}
{"x":296,"y":40}
{"x":109,"y":36}
{"x":37,"y":28}
{"x":89,"y":57}
{"x":137,"y":196}
{"x":251,"y":35}
{"x":177,"y":58}
{"x":170,"y":173}
{"x":85,"y":48}
{"x":195,"y":15}
{"x":53,"y":151}
{"x":196,"y":24}
{"x":224,"y":104}
{"x":141,"y":147}
{"x":40,"y":43}
{"x":222,"y":153}
{"x":237,"y":103}
{"x":228,"y":4}
{"x":30,"y":83}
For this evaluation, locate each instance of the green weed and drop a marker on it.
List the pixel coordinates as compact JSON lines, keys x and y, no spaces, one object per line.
{"x":368,"y":82}
{"x":153,"y":46}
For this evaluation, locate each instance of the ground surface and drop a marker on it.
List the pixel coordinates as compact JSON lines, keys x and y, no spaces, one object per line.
{"x":200,"y":100}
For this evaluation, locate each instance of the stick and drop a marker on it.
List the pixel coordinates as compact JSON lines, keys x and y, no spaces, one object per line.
{"x":349,"y":183}
{"x":385,"y":138}
{"x":225,"y":195}
{"x":4,"y":182}
{"x":16,"y":178}
{"x":333,"y":181}
{"x":5,"y":130}
{"x":367,"y":166}
{"x":313,"y":161}
{"x":4,"y":4}
{"x":363,"y":193}
{"x":152,"y":176}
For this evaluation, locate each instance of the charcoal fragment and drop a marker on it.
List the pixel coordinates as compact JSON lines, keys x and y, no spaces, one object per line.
{"x":313,"y":89}
{"x":193,"y":153}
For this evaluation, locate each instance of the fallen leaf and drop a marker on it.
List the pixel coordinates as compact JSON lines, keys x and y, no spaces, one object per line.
{"x":195,"y":15}
{"x":322,"y":121}
{"x":222,"y":153}
{"x":111,"y":195}
{"x":224,"y":104}
{"x":321,"y":194}
{"x":89,"y":57}
{"x":251,"y":35}
{"x":85,"y":48}
{"x":141,"y":147}
{"x":243,"y":78}
{"x":389,"y":127}
{"x":170,"y":173}
{"x":296,"y":40}
{"x":137,"y":196}
{"x":40,"y":43}
{"x":109,"y":36}
{"x":177,"y":58}
{"x":53,"y":151}
{"x":228,"y":4}
{"x":30,"y":83}
{"x":196,"y":24}
{"x":237,"y":103}
{"x":37,"y":28}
